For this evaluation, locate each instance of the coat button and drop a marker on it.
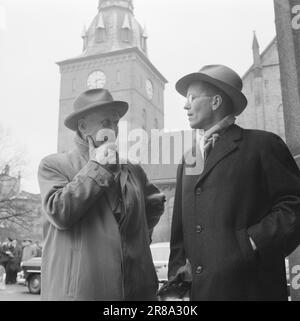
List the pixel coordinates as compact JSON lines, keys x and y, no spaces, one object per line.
{"x":199,"y":229}
{"x":199,"y":270}
{"x":198,"y":191}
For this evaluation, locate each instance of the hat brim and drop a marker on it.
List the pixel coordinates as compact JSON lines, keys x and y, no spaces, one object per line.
{"x":238,"y":98}
{"x":72,"y":120}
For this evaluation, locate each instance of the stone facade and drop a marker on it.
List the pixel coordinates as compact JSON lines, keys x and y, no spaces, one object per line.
{"x":262,"y":88}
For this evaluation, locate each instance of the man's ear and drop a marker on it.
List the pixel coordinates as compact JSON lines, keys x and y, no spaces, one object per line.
{"x":216,"y":102}
{"x":82,"y":126}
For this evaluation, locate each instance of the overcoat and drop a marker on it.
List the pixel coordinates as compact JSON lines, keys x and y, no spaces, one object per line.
{"x":86,"y":254}
{"x":250,"y":187}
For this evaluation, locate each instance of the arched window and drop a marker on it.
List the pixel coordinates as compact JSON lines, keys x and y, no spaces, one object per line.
{"x":100,"y":35}
{"x":126,"y":29}
{"x":100,"y":29}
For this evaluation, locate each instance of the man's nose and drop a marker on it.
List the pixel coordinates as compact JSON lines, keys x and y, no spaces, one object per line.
{"x":187,"y":106}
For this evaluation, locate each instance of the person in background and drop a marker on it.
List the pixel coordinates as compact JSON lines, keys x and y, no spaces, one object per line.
{"x":29,"y":250}
{"x":13,"y":265}
{"x":38,"y":249}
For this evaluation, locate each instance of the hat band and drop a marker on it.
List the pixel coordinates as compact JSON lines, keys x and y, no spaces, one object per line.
{"x":94,"y":104}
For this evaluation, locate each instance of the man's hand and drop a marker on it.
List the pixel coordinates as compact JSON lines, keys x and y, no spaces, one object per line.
{"x":105,"y":155}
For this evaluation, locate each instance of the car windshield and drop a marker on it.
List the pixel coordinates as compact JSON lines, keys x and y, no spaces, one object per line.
{"x":160,"y":253}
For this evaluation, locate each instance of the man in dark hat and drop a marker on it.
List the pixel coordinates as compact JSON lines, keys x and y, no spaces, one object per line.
{"x":99,"y":214}
{"x":237,"y":216}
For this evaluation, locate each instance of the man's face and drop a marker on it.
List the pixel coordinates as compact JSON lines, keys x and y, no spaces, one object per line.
{"x":198,"y":106}
{"x":101,"y":120}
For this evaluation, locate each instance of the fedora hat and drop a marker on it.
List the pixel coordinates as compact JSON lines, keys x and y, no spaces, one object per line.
{"x":222,"y":77}
{"x":92,"y":100}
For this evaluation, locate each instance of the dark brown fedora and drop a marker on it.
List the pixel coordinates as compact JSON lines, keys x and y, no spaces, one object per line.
{"x":222,"y":77}
{"x":92,"y":100}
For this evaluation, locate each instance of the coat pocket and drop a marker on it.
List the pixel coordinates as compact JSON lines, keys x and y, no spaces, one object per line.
{"x":248,"y":253}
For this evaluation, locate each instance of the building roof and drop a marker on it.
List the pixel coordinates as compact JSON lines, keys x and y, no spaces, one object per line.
{"x":112,"y":18}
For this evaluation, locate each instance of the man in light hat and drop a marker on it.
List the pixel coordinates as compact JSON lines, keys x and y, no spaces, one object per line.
{"x":238,"y":217}
{"x":99,"y":214}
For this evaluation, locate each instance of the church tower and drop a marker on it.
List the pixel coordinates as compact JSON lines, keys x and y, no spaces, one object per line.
{"x":115,"y":57}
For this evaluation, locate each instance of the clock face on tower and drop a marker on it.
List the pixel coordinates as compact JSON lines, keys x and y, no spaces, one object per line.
{"x":96,"y":79}
{"x":149,"y":89}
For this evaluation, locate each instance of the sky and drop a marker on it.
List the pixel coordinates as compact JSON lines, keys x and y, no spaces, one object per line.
{"x":184,"y":35}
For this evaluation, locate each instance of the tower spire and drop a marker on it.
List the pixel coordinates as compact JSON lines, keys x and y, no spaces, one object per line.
{"x":114,"y":28}
{"x":256,"y":52}
{"x":255,"y":44}
{"x":84,"y":37}
{"x":128,"y":4}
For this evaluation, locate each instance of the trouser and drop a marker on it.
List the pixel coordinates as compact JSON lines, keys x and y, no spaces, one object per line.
{"x":11,"y":276}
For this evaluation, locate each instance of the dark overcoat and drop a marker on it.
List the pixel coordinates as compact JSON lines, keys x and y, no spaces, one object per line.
{"x":250,"y":186}
{"x":86,"y":254}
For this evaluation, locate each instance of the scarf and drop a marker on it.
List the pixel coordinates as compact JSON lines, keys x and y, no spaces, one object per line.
{"x":211,"y":136}
{"x":214,"y":133}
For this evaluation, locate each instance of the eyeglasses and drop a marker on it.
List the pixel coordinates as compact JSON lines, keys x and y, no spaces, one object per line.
{"x":191,"y":98}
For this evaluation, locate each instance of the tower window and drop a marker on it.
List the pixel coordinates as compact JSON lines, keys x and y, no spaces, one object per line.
{"x":126,"y":27}
{"x":155,"y":123}
{"x":266,"y":83}
{"x":118,"y":77}
{"x":100,"y":35}
{"x":126,"y":34}
{"x":73,"y":84}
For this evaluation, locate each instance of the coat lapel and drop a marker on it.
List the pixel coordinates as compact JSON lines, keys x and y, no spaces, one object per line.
{"x":225,"y":146}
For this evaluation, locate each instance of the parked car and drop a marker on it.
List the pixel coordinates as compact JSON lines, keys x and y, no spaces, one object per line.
{"x":31,"y":269}
{"x":160,"y":255}
{"x":31,"y":275}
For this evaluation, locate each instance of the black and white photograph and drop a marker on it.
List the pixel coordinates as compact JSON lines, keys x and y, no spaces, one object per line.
{"x":150,"y":152}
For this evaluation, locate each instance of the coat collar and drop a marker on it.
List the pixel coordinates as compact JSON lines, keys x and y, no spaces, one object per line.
{"x":226,"y":144}
{"x":82,"y":147}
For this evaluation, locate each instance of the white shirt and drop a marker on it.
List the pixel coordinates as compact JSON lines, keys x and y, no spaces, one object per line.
{"x":200,"y":140}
